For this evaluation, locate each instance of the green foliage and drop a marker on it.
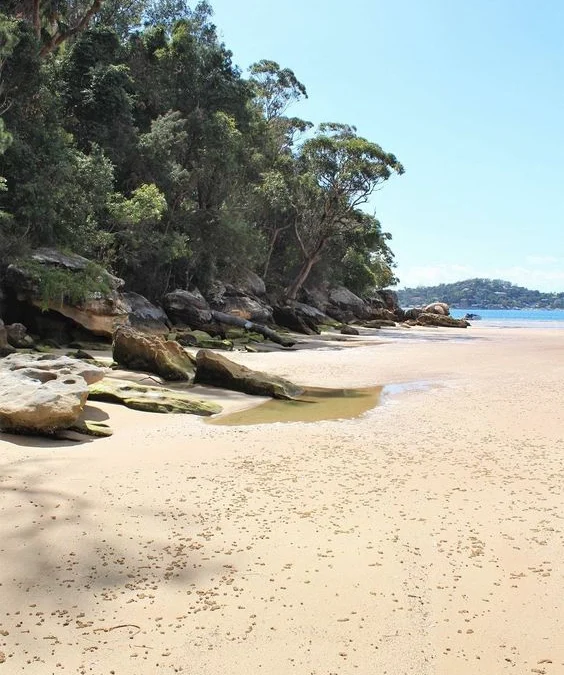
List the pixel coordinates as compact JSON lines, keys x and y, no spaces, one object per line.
{"x":128,"y":135}
{"x":276,"y":88}
{"x":145,"y":207}
{"x":483,"y":294}
{"x":57,"y":285}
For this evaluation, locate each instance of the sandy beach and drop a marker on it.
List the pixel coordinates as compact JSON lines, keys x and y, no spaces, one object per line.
{"x":424,"y":537}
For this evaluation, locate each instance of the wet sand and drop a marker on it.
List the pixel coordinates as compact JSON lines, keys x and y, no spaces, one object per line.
{"x":424,"y":537}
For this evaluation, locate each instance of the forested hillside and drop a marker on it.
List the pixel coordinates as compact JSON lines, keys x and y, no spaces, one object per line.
{"x":129,"y":136}
{"x":481,"y":293}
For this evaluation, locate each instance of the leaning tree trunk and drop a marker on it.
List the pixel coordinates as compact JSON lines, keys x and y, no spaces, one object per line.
{"x":294,"y":288}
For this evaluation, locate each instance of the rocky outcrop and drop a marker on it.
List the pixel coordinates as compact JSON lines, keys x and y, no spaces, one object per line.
{"x":342,"y":305}
{"x":297,"y":317}
{"x":152,"y":353}
{"x":218,"y":371}
{"x":41,"y":394}
{"x":440,"y":308}
{"x":99,"y":312}
{"x":150,"y":399}
{"x":244,"y":299}
{"x":101,"y":308}
{"x":188,"y":308}
{"x":145,"y":316}
{"x":428,"y":319}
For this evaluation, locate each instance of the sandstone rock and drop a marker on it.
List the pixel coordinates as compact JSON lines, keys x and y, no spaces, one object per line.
{"x":188,"y":307}
{"x":347,"y":302}
{"x":349,"y":330}
{"x":251,"y":284}
{"x":218,"y":371}
{"x":145,"y":316}
{"x":427,"y":319}
{"x":53,"y":364}
{"x":245,"y":307}
{"x":440,"y":308}
{"x":98,"y":312}
{"x":289,"y":317}
{"x":150,"y":399}
{"x":152,"y":353}
{"x":41,"y":394}
{"x":18,"y":337}
{"x":244,"y":299}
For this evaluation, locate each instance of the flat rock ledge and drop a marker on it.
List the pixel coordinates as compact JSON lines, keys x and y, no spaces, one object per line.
{"x":150,"y":399}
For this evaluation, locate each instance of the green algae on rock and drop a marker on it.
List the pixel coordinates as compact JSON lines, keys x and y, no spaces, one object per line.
{"x":150,"y":399}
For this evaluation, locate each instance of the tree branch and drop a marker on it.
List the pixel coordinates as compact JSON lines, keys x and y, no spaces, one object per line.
{"x":60,"y":37}
{"x":36,"y":19}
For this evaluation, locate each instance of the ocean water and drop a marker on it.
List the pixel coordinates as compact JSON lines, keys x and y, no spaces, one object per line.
{"x":515,"y":318}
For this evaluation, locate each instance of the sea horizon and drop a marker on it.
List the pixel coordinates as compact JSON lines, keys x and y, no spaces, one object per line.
{"x":513,"y":318}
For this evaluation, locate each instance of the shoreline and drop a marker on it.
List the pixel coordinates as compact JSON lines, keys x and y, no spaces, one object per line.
{"x":423,"y":536}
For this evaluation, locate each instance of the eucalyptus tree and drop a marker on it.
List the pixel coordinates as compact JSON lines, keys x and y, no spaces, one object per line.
{"x":337,"y":172}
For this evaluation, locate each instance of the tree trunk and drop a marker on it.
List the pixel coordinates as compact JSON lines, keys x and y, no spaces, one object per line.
{"x":294,"y":288}
{"x":232,"y":320}
{"x":273,"y":240}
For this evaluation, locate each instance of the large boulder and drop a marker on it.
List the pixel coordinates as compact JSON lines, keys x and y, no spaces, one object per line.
{"x":347,"y":302}
{"x":428,"y":319}
{"x":139,"y":351}
{"x":244,"y":299}
{"x":18,"y":337}
{"x":292,"y":318}
{"x":188,"y":307}
{"x":440,"y":308}
{"x":150,"y":399}
{"x":214,"y":369}
{"x":244,"y":307}
{"x":145,"y":316}
{"x":71,"y":286}
{"x":41,"y":394}
{"x":339,"y":303}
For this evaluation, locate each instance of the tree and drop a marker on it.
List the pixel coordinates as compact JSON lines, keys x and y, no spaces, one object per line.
{"x":338,"y":172}
{"x":276,"y":88}
{"x":56,"y":21}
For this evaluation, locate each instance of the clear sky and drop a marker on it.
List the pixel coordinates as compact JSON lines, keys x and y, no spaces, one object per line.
{"x":468,"y":96}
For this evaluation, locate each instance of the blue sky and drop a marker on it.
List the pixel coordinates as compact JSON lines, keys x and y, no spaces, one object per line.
{"x":469,"y":96}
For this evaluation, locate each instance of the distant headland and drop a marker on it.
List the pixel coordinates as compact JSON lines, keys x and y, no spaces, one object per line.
{"x":481,"y":293}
